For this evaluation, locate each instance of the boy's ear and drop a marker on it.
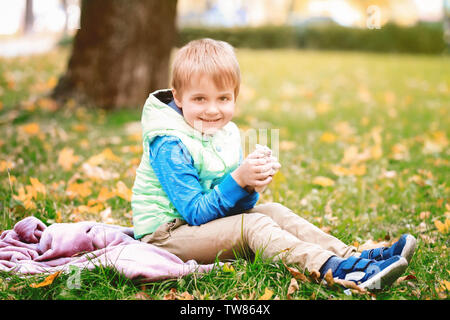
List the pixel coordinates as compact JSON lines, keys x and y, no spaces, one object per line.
{"x":176,"y":98}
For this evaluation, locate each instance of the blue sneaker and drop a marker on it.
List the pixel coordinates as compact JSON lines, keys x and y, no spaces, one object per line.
{"x":371,"y":274}
{"x":404,"y":247}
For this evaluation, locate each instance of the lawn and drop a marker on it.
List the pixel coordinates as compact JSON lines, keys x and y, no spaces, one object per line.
{"x":363,"y":143}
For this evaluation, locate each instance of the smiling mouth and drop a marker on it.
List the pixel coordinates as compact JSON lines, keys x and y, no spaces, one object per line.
{"x":210,"y":120}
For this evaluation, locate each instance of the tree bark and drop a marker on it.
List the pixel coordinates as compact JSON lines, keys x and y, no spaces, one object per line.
{"x":120,"y":53}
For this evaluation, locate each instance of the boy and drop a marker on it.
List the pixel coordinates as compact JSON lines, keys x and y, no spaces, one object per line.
{"x":194,"y":194}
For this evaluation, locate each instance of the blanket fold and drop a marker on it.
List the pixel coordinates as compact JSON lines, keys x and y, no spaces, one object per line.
{"x":31,"y":247}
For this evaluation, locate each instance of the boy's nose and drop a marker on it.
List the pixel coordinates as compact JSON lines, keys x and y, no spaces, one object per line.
{"x":212,"y":109}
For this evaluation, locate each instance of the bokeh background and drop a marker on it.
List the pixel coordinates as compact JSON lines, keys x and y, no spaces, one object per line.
{"x":45,"y":20}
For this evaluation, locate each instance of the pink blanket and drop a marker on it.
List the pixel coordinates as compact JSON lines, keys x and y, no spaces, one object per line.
{"x":32,"y":248}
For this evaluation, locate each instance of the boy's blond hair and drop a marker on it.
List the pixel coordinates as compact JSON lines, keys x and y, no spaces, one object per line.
{"x":209,"y":57}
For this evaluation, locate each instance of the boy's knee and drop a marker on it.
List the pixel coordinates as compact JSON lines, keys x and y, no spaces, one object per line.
{"x":269,"y":207}
{"x":255,"y":222}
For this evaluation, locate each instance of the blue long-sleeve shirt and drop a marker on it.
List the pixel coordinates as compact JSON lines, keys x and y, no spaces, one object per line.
{"x":174,"y":167}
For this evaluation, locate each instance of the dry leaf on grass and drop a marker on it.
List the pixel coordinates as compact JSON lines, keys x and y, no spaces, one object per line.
{"x":37,"y":186}
{"x":66,"y":159}
{"x":405,"y":278}
{"x":172,"y":295}
{"x":442,"y":227}
{"x":296,"y":274}
{"x":323,"y":181}
{"x":141,"y":295}
{"x":185,"y":296}
{"x":123,"y":191}
{"x":267,"y":294}
{"x":293,"y":287}
{"x":47,"y":281}
{"x":345,"y":283}
{"x":100,"y":158}
{"x":82,"y":190}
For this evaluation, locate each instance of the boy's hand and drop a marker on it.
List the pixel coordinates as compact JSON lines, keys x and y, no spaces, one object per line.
{"x":252,"y":172}
{"x":256,"y":171}
{"x":265,"y":152}
{"x":273,"y":169}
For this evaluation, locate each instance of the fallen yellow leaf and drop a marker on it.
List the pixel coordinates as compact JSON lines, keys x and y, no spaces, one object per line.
{"x":376,"y":151}
{"x":52,"y":82}
{"x":26,"y":197}
{"x":66,"y":158}
{"x":442,"y":227}
{"x":323,"y":181}
{"x":399,"y":152}
{"x":4,"y":165}
{"x":345,"y":283}
{"x":329,"y":278}
{"x":105,"y":194}
{"x":227,"y":267}
{"x":436,"y":142}
{"x":322,"y":107}
{"x":106,"y":154}
{"x":267,"y":294}
{"x":123,"y":191}
{"x":328,"y":137}
{"x":185,"y":296}
{"x":141,"y":295}
{"x":357,"y":170}
{"x":95,"y":208}
{"x":353,"y":156}
{"x":30,"y":128}
{"x":58,"y":217}
{"x":47,"y":281}
{"x":80,"y":127}
{"x":344,"y":129}
{"x":39,"y":187}
{"x":296,"y":274}
{"x":75,"y":189}
{"x":445,"y":285}
{"x":106,"y":216}
{"x":171,"y":295}
{"x":315,"y":275}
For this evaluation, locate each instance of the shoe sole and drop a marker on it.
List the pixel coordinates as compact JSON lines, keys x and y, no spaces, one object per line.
{"x":408,"y":249}
{"x":387,"y":276}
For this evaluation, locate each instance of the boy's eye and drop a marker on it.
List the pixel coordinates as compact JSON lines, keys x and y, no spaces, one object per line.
{"x":199,"y":99}
{"x":224,"y":98}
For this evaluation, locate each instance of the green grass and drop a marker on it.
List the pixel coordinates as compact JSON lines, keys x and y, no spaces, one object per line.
{"x":392,"y":109}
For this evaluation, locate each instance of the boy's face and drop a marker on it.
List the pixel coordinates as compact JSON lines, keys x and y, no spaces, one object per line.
{"x":205,"y":107}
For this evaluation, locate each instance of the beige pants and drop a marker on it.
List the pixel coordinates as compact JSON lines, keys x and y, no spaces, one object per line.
{"x":271,"y":229}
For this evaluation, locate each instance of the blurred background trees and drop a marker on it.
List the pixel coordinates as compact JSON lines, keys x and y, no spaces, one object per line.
{"x":120,"y":50}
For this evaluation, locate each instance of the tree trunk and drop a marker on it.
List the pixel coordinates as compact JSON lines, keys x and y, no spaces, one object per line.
{"x":120,"y":53}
